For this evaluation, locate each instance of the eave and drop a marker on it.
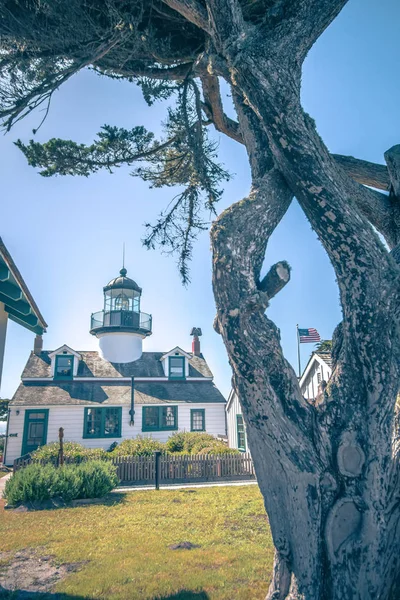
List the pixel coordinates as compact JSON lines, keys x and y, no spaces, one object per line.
{"x":16,"y":297}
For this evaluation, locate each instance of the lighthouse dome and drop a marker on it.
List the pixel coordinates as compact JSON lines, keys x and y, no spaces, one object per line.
{"x":122,"y":282}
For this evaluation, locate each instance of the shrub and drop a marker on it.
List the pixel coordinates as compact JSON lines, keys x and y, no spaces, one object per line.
{"x":73,"y":450}
{"x":34,"y":483}
{"x":97,"y":479}
{"x":140,"y":446}
{"x":37,"y":483}
{"x":191,"y":442}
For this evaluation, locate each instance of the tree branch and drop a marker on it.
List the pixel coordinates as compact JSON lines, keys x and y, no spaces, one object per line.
{"x":214,"y":109}
{"x":276,"y":279}
{"x":365,"y":172}
{"x":175,"y":73}
{"x":192,"y":10}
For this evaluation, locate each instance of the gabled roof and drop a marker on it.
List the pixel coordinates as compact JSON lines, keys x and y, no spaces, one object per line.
{"x":322,"y":358}
{"x":176,"y":350}
{"x":17,"y":299}
{"x":116,"y":393}
{"x":92,"y":365}
{"x":63,"y":349}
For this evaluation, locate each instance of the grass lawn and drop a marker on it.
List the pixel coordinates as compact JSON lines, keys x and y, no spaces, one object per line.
{"x":126,"y":540}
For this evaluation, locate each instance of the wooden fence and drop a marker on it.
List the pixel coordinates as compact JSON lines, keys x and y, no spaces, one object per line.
{"x":168,"y":468}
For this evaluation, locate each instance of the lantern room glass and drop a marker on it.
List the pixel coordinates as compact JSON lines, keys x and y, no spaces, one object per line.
{"x":121,"y":299}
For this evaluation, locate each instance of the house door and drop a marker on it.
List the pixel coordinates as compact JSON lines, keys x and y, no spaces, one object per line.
{"x":35,"y":430}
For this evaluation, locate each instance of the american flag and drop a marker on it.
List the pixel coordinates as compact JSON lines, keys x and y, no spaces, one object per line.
{"x":309,"y":336}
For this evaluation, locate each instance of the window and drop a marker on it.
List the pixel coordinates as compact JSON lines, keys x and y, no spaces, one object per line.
{"x":177,"y":367}
{"x":197,"y":419}
{"x":102,"y":422}
{"x":64,"y":367}
{"x":160,"y":418}
{"x":241,"y":434}
{"x":319,"y":377}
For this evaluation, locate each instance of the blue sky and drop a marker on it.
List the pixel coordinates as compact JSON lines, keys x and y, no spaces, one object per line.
{"x":66,"y":233}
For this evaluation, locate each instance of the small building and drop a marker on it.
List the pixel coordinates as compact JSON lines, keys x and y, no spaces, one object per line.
{"x":118,"y":392}
{"x":318,"y":370}
{"x":235,"y":423}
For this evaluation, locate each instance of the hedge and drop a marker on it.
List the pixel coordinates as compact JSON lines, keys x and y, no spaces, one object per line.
{"x":38,"y":483}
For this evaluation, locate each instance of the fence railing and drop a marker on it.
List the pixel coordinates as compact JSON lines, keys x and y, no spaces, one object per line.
{"x":142,"y":470}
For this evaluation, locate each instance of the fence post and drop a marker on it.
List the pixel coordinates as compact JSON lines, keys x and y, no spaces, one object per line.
{"x":157,"y":457}
{"x":61,"y":450}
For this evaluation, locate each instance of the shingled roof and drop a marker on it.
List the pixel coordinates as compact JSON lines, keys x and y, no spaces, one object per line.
{"x":92,"y":365}
{"x":92,"y":392}
{"x":326,"y":357}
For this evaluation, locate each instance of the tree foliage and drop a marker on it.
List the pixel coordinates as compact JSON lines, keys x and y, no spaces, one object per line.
{"x":4,"y":409}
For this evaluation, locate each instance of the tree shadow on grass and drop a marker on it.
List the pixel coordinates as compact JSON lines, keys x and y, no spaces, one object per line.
{"x":185,"y":595}
{"x":57,"y":503}
{"x":26,"y":595}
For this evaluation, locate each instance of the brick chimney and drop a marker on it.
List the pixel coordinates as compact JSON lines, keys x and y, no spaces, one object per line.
{"x":38,"y":344}
{"x":196,"y":333}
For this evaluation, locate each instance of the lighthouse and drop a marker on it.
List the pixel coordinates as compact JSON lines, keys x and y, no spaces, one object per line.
{"x":120,"y":327}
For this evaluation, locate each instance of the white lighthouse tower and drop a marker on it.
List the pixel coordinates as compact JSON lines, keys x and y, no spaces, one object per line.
{"x":120,"y":327}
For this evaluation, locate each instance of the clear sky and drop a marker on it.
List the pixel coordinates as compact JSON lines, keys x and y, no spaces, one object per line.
{"x":65,"y":234}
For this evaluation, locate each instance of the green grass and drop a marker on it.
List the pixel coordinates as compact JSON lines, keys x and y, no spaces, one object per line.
{"x":126,"y":539}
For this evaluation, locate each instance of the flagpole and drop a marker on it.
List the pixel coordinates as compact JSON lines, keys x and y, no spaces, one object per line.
{"x":298,"y":348}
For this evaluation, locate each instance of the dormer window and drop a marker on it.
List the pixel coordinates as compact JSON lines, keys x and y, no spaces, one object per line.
{"x":176,"y":367}
{"x":64,"y":362}
{"x":64,"y":367}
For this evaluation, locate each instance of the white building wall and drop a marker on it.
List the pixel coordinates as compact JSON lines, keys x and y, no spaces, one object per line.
{"x":231,"y":413}
{"x":71,"y":418}
{"x":317,"y":373}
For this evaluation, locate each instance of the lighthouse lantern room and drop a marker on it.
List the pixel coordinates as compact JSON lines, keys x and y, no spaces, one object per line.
{"x":120,"y":327}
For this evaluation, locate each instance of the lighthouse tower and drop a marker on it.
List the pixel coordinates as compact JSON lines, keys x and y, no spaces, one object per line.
{"x":120,"y":327}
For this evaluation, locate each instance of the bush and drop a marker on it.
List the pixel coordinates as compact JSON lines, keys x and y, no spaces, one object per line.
{"x":196,"y":443}
{"x":37,"y":483}
{"x":34,"y":483}
{"x":140,"y":446}
{"x":73,"y":450}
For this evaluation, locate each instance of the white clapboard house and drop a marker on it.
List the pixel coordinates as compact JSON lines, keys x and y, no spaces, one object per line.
{"x":117,"y":393}
{"x":318,"y":370}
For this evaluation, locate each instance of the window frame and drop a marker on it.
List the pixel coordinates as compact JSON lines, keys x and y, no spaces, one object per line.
{"x":103,"y":410}
{"x":160,"y":408}
{"x":244,"y":447}
{"x":64,"y":377}
{"x":183,"y":376}
{"x":203,"y":412}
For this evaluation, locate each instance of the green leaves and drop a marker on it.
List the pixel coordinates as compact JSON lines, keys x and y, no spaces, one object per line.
{"x":4,"y":409}
{"x":186,"y":158}
{"x":114,"y":147}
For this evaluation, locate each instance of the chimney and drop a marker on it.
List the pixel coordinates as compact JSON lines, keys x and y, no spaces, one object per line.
{"x":38,"y":345}
{"x":196,"y":333}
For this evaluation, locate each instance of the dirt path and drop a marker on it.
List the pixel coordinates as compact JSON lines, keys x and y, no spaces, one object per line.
{"x":30,"y":571}
{"x":3,"y":483}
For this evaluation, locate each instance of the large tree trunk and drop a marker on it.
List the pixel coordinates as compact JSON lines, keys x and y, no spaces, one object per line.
{"x":329,"y":475}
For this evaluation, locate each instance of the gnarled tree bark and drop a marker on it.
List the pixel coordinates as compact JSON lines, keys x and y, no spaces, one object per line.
{"x":329,"y":473}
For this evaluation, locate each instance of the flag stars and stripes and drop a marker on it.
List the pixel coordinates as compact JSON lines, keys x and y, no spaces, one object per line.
{"x":309,"y":336}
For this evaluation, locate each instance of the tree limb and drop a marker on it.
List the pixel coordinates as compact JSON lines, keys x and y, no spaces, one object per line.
{"x":192,"y":10}
{"x":365,"y":172}
{"x":214,"y":109}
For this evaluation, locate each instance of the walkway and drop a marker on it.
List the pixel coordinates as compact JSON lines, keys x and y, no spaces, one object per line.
{"x":3,"y":483}
{"x":140,"y":488}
